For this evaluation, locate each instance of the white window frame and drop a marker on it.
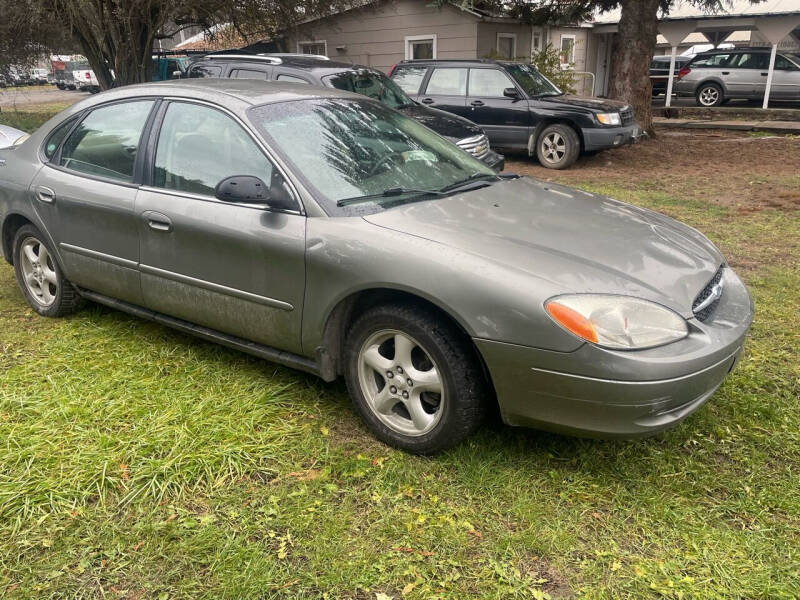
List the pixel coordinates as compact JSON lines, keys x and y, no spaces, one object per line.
{"x":419,"y":38}
{"x":534,"y":47}
{"x":513,"y":38}
{"x":323,"y":42}
{"x":567,"y":36}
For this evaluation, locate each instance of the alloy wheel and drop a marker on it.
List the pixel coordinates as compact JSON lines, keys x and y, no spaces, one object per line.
{"x":401,"y":383}
{"x":554,"y":147}
{"x":709,"y":96}
{"x":38,"y":271}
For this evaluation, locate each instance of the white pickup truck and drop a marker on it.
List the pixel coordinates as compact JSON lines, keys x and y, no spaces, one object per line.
{"x":86,"y":81}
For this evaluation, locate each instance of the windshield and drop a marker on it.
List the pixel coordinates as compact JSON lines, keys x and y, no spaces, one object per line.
{"x":371,"y":84}
{"x":532,"y":81}
{"x":351,"y":150}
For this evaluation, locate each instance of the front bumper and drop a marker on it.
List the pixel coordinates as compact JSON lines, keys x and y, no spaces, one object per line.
{"x":596,"y":392}
{"x":494,"y":160}
{"x":602,"y":138}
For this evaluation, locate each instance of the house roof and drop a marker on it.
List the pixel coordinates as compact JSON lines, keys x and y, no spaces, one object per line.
{"x":736,"y":8}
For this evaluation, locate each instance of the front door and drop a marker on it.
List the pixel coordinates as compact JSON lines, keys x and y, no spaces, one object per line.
{"x":785,"y":80}
{"x":85,"y":196}
{"x":505,"y":120}
{"x":235,"y":268}
{"x":447,"y":89}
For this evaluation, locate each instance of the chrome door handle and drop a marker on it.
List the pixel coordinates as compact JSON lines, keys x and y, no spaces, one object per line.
{"x":476,"y":103}
{"x":156,"y":221}
{"x":427,"y":100}
{"x":45,"y":195}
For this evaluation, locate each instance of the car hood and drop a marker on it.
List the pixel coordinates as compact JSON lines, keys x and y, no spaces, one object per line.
{"x":598,"y":104}
{"x":444,"y":123}
{"x":8,"y":135}
{"x":572,"y":240}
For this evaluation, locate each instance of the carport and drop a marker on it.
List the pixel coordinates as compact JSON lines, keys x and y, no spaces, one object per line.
{"x":774,"y":20}
{"x":716,"y":29}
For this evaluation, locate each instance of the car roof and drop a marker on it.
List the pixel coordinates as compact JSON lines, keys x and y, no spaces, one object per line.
{"x":234,"y":94}
{"x":318,"y":65}
{"x":456,"y":61}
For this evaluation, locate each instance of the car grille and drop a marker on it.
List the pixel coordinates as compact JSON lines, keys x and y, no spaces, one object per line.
{"x":626,"y":114}
{"x":708,"y":291}
{"x":478,"y":146}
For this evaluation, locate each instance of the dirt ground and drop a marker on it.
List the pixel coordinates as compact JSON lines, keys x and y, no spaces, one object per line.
{"x":742,"y":170}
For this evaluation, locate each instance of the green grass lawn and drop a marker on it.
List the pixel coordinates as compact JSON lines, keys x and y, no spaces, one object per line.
{"x":33,"y":117}
{"x":137,"y":462}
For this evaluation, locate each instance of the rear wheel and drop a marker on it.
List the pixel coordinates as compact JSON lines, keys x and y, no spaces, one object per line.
{"x":558,"y":146}
{"x":39,"y":276}
{"x":710,"y":94}
{"x":414,"y":379}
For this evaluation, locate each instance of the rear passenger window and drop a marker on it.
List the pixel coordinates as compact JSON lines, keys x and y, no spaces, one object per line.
{"x":488,"y":83}
{"x":291,"y":79}
{"x":55,"y":139}
{"x":106,"y":142}
{"x":448,"y":82}
{"x":717,"y":60}
{"x":409,"y":78}
{"x":205,"y":71}
{"x":750,"y":60}
{"x":248,"y":74}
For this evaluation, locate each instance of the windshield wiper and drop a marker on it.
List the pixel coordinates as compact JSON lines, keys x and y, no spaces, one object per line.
{"x":470,"y":179}
{"x":389,"y":193}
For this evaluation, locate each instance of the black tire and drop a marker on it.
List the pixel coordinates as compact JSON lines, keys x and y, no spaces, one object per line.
{"x":709,"y":94}
{"x":465,"y":388}
{"x":66,"y":299}
{"x":550,"y":140}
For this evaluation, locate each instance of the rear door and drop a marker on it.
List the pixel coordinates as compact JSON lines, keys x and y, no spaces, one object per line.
{"x":85,"y":195}
{"x":745,"y":74}
{"x":505,"y":120}
{"x":235,"y":268}
{"x":446,"y":89}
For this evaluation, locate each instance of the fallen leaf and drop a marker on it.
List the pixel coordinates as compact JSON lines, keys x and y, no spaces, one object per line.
{"x":408,"y":589}
{"x":476,"y":533}
{"x":382,"y":596}
{"x":123,"y":468}
{"x":324,"y":431}
{"x":597,"y":516}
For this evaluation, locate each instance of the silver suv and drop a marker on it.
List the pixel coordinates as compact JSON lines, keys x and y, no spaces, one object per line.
{"x":721,"y":75}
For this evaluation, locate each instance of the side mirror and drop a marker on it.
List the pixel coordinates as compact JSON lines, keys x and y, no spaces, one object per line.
{"x":242,"y":188}
{"x":249,"y":189}
{"x":176,"y":74}
{"x":511,"y":93}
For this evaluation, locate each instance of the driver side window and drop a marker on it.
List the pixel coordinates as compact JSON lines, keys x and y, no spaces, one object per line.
{"x":199,"y":146}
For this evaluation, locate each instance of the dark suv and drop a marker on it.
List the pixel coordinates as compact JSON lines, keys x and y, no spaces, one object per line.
{"x":519,"y":108}
{"x":353,"y":78}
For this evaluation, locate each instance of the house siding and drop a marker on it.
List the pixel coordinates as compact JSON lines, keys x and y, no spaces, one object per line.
{"x":375,"y":35}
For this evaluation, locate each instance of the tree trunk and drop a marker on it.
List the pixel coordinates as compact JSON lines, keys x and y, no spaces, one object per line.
{"x":630,"y":68}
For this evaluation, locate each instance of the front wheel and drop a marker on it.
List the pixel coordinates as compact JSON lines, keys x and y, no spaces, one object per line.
{"x":414,"y":378}
{"x":558,"y":146}
{"x":45,"y":288}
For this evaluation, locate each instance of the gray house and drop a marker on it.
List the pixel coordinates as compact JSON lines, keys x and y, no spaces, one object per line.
{"x":384,"y":32}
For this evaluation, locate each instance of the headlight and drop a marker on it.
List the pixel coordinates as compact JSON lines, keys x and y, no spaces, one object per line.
{"x":609,"y":118}
{"x":618,"y":322}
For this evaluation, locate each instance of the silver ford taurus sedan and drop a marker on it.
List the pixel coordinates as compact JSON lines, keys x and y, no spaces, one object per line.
{"x":323,"y":231}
